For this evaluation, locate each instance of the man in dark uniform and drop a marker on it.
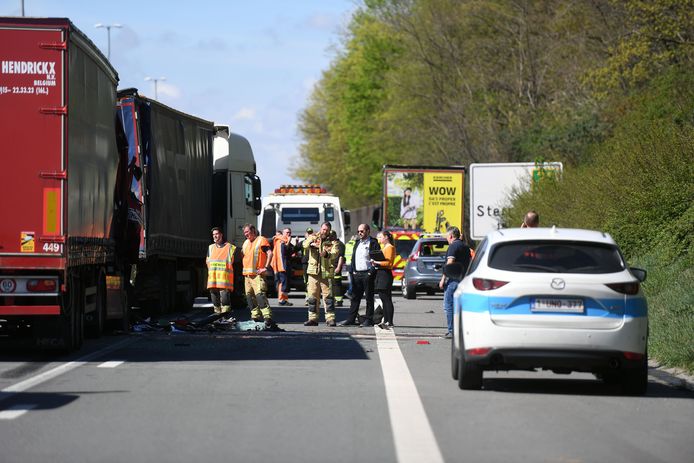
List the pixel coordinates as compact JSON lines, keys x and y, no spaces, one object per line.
{"x":457,"y":252}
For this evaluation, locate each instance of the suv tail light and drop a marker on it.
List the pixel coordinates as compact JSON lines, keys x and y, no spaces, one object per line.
{"x":629,"y":289}
{"x":482,"y":284}
{"x":413,"y":257}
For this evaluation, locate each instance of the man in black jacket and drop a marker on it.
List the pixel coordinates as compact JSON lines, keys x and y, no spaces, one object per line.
{"x":363,"y":274}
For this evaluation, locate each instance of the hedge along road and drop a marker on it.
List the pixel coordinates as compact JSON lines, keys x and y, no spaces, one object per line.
{"x":322,"y":394}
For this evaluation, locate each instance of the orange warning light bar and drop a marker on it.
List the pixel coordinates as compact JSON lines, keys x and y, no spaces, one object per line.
{"x":300,"y":190}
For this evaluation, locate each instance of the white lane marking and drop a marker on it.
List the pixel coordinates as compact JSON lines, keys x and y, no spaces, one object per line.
{"x":412,"y":434}
{"x":111,"y":364}
{"x":15,"y":411}
{"x":22,"y":386}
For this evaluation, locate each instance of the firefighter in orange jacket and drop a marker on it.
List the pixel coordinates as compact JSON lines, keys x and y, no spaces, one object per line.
{"x":257,"y":255}
{"x":281,"y":251}
{"x":220,"y":271}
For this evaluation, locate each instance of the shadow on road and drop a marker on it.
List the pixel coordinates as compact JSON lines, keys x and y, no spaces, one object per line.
{"x":584,"y":387}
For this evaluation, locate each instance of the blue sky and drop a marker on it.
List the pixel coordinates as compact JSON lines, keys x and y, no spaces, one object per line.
{"x":250,"y":64}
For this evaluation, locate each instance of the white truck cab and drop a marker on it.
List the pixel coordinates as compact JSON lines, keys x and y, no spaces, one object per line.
{"x":299,"y":207}
{"x":236,"y":188}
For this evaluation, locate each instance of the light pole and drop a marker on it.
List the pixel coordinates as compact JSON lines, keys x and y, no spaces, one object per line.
{"x":22,"y":8}
{"x":155,"y":80}
{"x":108,"y":33}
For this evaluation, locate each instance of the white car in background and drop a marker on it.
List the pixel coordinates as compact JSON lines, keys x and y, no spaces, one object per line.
{"x":554,"y":299}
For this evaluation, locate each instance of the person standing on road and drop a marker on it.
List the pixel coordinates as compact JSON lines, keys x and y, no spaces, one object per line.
{"x":457,"y":252}
{"x":321,"y":258}
{"x":384,"y":277}
{"x":281,"y":253}
{"x":363,"y":274}
{"x":337,"y":268}
{"x":304,"y":261}
{"x":256,"y":256}
{"x":349,"y":251}
{"x":220,"y":271}
{"x":531,"y":220}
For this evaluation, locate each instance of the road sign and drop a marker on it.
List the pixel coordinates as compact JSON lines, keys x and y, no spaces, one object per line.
{"x":492,"y":186}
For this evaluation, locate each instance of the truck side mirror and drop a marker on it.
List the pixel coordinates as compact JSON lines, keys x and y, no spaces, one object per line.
{"x":347,"y":220}
{"x":269,"y":227}
{"x":257,"y":193}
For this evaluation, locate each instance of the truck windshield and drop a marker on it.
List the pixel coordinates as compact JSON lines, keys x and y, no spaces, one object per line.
{"x":300,"y":214}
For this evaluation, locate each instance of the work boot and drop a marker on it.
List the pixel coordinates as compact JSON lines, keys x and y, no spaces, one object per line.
{"x":310,"y":323}
{"x":331,"y":323}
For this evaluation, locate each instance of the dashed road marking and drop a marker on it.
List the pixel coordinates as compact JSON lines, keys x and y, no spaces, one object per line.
{"x":15,"y":411}
{"x":22,"y":386}
{"x":412,"y":434}
{"x":111,"y":364}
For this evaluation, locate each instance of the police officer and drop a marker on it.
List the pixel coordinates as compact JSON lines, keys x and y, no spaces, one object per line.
{"x":321,"y":258}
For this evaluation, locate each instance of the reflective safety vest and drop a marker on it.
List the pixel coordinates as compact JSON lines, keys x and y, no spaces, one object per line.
{"x":278,"y":262}
{"x":253,"y":256}
{"x":349,"y":250}
{"x":220,"y":271}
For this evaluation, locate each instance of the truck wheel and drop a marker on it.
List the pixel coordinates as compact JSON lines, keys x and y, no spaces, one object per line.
{"x":167,"y":288}
{"x":73,"y":314}
{"x":95,"y":326}
{"x":186,"y":298}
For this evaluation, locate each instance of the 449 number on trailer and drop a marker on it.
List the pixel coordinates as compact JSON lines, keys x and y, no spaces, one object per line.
{"x":53,"y":247}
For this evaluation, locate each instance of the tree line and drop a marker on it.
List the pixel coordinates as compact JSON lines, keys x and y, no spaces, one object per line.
{"x":444,"y":82}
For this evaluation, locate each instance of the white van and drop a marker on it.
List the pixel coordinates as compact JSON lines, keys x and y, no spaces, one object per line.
{"x":300,"y":207}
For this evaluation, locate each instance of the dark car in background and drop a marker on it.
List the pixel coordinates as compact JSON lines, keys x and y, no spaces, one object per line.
{"x":424,"y":266}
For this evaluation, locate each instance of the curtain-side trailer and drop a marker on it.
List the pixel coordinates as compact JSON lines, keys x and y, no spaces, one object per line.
{"x":169,"y":201}
{"x":60,"y":160}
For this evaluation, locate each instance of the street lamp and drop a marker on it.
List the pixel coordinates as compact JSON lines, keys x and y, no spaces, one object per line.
{"x":108,"y":33}
{"x":155,"y":80}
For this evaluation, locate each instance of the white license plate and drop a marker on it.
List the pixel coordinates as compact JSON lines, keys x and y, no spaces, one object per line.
{"x":562,"y":305}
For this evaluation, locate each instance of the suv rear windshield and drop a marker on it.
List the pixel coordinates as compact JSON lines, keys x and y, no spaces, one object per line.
{"x":404,"y":247}
{"x":556,"y":257}
{"x":433,"y":248}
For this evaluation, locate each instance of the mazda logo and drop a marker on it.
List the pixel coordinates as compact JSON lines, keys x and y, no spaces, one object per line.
{"x":558,"y":283}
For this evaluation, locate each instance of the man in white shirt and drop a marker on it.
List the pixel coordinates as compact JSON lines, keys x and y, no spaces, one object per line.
{"x":363,"y":274}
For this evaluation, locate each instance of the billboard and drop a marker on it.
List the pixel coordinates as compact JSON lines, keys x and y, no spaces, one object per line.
{"x":426,"y":199}
{"x":492,"y":186}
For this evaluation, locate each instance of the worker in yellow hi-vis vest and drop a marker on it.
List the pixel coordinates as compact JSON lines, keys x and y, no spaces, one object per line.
{"x":220,"y":271}
{"x":257,"y":255}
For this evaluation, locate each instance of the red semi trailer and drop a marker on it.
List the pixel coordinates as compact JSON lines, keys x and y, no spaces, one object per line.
{"x":57,"y":182}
